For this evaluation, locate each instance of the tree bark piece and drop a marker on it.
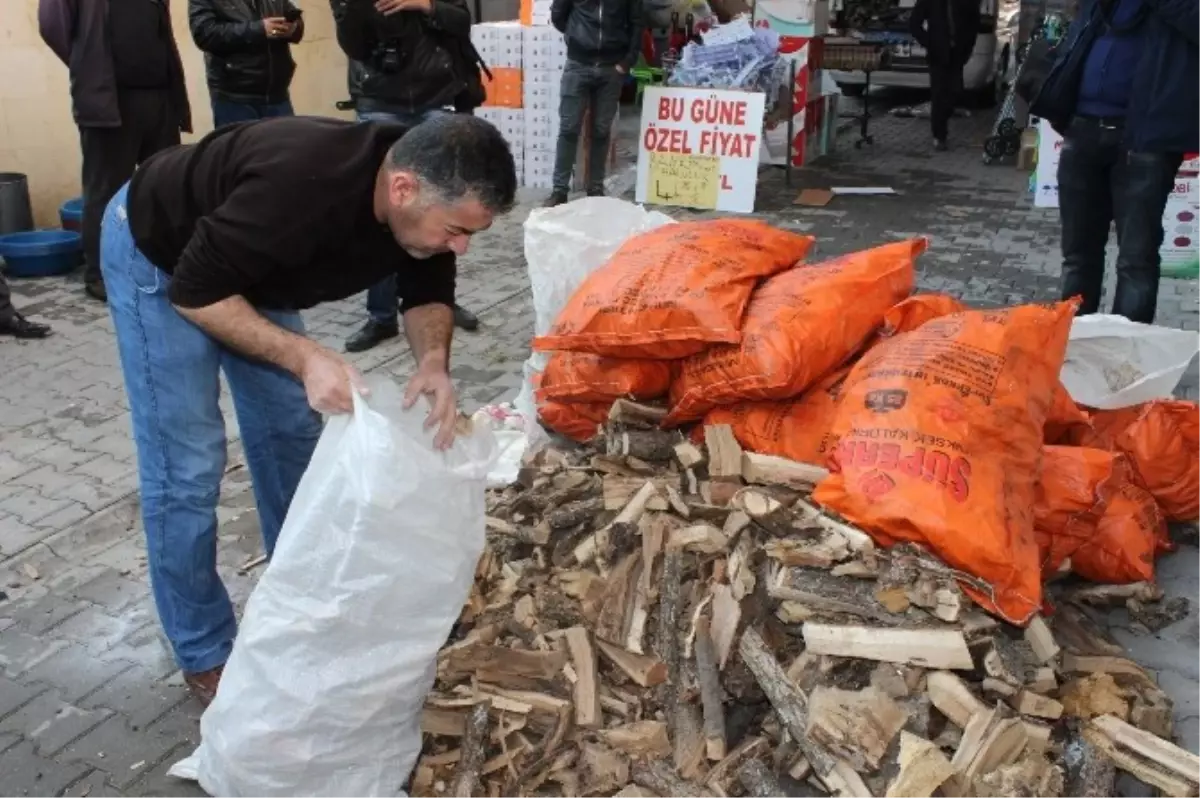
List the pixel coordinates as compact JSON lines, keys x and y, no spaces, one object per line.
{"x":669,"y":607}
{"x":758,"y":780}
{"x":474,"y":751}
{"x":659,"y":776}
{"x":708,"y":671}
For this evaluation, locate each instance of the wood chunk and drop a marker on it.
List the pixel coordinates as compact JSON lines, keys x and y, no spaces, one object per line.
{"x":758,"y":781}
{"x":538,"y":535}
{"x":640,"y":739}
{"x":844,"y":782}
{"x":997,"y":687}
{"x":670,"y":606}
{"x":923,"y":768}
{"x":676,"y":502}
{"x":708,"y":674}
{"x":894,"y":599}
{"x":505,"y":666}
{"x":1007,"y":660}
{"x":988,"y":742}
{"x":586,"y":551}
{"x":1116,"y":595}
{"x":1155,"y":761}
{"x":601,"y":769}
{"x":939,"y":595}
{"x":474,"y":751}
{"x":720,"y":779}
{"x":634,"y":791}
{"x":859,"y":541}
{"x":724,"y":452}
{"x":1072,"y":663}
{"x":688,"y":454}
{"x":688,"y":736}
{"x":765,"y":469}
{"x":788,"y":701}
{"x":951,"y":696}
{"x":703,"y":538}
{"x":626,"y":411}
{"x":652,"y":445}
{"x":588,"y":714}
{"x":658,"y":775}
{"x":1158,"y":615}
{"x":573,"y":514}
{"x":929,"y":648}
{"x":1044,"y":681}
{"x":645,"y":671}
{"x":740,"y":567}
{"x":1152,"y":711}
{"x":857,"y":726}
{"x":1030,"y":775}
{"x":766,"y":511}
{"x":726,"y":615}
{"x":619,"y":490}
{"x":1041,"y":639}
{"x":1039,"y":706}
{"x":823,"y":550}
{"x":617,"y":606}
{"x":1038,"y":736}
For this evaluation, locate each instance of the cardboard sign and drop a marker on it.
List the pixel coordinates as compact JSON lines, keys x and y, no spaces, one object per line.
{"x":699,"y":148}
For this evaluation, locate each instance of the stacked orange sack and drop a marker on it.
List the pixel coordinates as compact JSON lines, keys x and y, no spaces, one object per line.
{"x":940,"y":430}
{"x":800,"y":324}
{"x":664,"y":294}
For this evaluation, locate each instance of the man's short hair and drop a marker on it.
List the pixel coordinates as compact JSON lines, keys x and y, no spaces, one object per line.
{"x":459,"y":155}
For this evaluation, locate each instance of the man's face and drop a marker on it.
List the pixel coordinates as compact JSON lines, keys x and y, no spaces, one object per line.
{"x":425,"y":226}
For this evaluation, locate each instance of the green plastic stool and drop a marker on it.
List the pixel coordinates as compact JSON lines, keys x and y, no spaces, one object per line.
{"x":646,"y":76}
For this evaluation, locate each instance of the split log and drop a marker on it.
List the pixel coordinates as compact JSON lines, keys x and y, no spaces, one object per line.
{"x":788,"y":701}
{"x":758,"y":781}
{"x":588,"y":714}
{"x":505,"y":666}
{"x":1041,"y":639}
{"x":538,"y":535}
{"x":643,"y":670}
{"x":708,"y":673}
{"x":688,"y":454}
{"x":659,"y":776}
{"x":651,"y":445}
{"x":1039,"y":706}
{"x":857,"y":726}
{"x":601,"y":769}
{"x":669,"y":607}
{"x":988,"y":742}
{"x":726,"y":616}
{"x":765,"y":469}
{"x":929,"y":648}
{"x":628,"y":412}
{"x":766,"y":511}
{"x":724,"y":452}
{"x":640,"y":739}
{"x":474,"y":751}
{"x":573,"y":514}
{"x":951,"y":696}
{"x":1116,"y":595}
{"x":923,"y":768}
{"x":723,"y":774}
{"x":1155,"y":761}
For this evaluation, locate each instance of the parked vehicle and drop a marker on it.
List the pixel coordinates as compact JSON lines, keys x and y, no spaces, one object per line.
{"x":984,"y":75}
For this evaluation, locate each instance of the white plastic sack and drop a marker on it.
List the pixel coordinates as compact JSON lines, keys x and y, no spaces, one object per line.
{"x":1112,"y":362}
{"x":338,"y":646}
{"x":563,"y":245}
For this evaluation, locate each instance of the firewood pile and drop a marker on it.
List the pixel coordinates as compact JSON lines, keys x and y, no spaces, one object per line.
{"x":657,"y":617}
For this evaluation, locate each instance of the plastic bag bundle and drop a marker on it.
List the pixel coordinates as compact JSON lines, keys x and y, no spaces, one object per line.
{"x":338,"y":646}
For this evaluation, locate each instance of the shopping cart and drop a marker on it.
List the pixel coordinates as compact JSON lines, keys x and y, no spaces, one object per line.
{"x":1005,"y":139}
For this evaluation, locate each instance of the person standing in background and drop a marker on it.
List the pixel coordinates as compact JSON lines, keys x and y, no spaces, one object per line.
{"x":1128,"y":114}
{"x":410,"y":60}
{"x":128,"y":97}
{"x":603,"y":39}
{"x":947,"y":29}
{"x":247,"y":55}
{"x":13,"y":323}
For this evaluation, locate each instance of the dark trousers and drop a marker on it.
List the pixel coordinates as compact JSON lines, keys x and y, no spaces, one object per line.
{"x":1099,"y":182}
{"x":226,"y":112}
{"x":7,"y":311}
{"x":585,"y":86}
{"x":149,"y":123}
{"x":945,"y":84}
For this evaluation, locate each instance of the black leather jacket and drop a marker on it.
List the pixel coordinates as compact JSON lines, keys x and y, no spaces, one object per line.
{"x":409,"y":61}
{"x":242,"y":64}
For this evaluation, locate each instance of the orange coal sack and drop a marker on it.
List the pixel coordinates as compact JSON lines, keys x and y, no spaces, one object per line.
{"x":579,"y":421}
{"x":581,"y":377}
{"x":1127,"y":537}
{"x":1162,"y":441}
{"x":798,"y":430}
{"x":1072,"y":495}
{"x":910,"y":314}
{"x":800,"y":324}
{"x":940,"y":437}
{"x":673,"y":291}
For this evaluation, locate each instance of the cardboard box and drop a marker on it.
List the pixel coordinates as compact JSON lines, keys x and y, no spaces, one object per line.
{"x":500,"y":44}
{"x":504,"y":87}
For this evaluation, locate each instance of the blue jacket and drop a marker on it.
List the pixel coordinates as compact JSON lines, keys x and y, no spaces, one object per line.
{"x":1108,"y":73}
{"x":1163,"y":114}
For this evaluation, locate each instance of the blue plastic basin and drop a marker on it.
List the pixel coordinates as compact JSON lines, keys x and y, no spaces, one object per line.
{"x":70,"y":213}
{"x":41,"y":253}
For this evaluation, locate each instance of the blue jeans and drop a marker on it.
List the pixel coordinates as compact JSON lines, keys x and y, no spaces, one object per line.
{"x":226,"y":112}
{"x":382,"y":302}
{"x":171,"y":371}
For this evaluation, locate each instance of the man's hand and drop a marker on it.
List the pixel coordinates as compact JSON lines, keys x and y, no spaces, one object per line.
{"x":329,"y":381}
{"x":621,"y":70}
{"x":433,"y":381}
{"x":387,"y":7}
{"x":278,"y":27}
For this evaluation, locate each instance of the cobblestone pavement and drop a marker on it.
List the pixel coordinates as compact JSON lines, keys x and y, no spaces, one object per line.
{"x":90,"y":702}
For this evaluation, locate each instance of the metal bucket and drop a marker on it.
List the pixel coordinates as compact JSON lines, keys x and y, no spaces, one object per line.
{"x":16,"y":211}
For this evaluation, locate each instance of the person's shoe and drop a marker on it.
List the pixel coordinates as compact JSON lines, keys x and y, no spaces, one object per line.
{"x":595,"y":192}
{"x":94,"y":287}
{"x":939,"y":145}
{"x":372,"y":334}
{"x":465,"y":319}
{"x":555,"y":199}
{"x":204,"y":685}
{"x":19,"y":327}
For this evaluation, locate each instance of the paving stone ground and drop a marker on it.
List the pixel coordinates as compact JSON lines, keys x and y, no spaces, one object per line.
{"x":90,"y":701}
